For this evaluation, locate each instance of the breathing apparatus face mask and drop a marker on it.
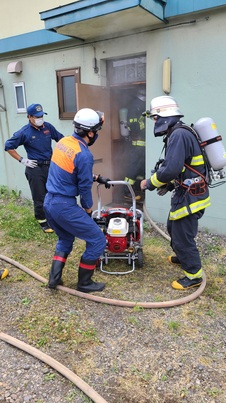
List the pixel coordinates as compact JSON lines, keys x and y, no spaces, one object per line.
{"x":162,"y":124}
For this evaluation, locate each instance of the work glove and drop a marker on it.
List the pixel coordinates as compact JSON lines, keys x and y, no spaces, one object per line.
{"x":29,"y":163}
{"x":103,"y":181}
{"x":165,"y":188}
{"x":162,"y":190}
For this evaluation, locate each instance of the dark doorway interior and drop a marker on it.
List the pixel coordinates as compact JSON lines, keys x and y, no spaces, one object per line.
{"x":126,"y":77}
{"x":121,"y":97}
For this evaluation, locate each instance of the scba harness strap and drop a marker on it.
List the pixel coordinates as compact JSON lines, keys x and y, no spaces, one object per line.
{"x":195,"y":186}
{"x":205,"y":178}
{"x":198,"y":186}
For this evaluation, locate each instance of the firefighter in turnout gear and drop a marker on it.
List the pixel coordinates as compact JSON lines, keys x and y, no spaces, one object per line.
{"x":183,"y":170}
{"x":70,"y":176}
{"x":136,"y":146}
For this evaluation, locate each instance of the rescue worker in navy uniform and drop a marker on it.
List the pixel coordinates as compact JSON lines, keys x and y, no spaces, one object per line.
{"x":136,"y":149}
{"x":36,"y":137}
{"x":70,"y":176}
{"x":184,"y":167}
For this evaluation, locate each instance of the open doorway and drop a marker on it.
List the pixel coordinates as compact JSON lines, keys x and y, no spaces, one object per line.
{"x":127,"y":83}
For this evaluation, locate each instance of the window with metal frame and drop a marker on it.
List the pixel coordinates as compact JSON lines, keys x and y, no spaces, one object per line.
{"x":66,"y":91}
{"x":20,"y":98}
{"x":127,"y":70}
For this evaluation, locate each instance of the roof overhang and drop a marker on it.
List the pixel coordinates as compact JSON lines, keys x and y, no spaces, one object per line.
{"x":88,"y":19}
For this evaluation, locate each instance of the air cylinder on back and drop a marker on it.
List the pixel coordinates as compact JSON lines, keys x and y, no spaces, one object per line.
{"x":214,"y":148}
{"x":123,"y":122}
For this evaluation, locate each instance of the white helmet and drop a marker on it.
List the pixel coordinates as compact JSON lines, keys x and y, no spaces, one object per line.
{"x":164,"y":106}
{"x":87,"y":120}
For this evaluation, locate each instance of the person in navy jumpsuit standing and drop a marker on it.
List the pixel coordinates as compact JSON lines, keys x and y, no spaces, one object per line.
{"x":71,"y":176}
{"x":36,"y":137}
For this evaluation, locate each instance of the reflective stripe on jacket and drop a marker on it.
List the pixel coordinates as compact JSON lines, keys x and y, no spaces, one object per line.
{"x":140,"y":120}
{"x":139,"y":143}
{"x":191,"y":209}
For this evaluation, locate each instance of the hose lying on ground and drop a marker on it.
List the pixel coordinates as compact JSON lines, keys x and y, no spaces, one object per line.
{"x":96,"y":398}
{"x":109,"y":301}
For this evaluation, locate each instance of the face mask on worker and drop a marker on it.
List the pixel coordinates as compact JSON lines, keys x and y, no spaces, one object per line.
{"x":162,"y":124}
{"x":39,"y":121}
{"x":92,"y":139}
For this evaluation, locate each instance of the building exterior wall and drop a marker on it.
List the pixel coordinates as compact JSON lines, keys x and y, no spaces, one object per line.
{"x":199,"y":85}
{"x":19,"y":17}
{"x":197,"y":82}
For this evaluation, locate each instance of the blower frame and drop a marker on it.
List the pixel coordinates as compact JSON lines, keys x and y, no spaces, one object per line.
{"x":123,"y":228}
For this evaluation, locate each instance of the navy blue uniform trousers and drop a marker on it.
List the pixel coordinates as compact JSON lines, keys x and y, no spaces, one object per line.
{"x":136,"y":162}
{"x":37,"y":178}
{"x":183,"y":233}
{"x":70,"y":221}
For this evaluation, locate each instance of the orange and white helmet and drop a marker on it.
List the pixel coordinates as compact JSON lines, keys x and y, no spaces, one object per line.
{"x":164,"y":106}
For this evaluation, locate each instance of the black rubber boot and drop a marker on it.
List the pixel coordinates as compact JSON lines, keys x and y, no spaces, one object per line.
{"x":55,"y":274}
{"x":85,"y":284}
{"x":185,"y":283}
{"x":173,"y":259}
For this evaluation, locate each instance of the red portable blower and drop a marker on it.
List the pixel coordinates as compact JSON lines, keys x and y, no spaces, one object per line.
{"x":123,"y":229}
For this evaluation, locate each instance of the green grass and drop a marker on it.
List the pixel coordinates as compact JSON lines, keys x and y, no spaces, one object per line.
{"x":17,"y":220}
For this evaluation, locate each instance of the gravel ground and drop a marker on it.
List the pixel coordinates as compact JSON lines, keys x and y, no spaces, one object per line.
{"x":127,"y":355}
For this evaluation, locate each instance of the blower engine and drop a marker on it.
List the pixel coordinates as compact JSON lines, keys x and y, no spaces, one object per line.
{"x":122,"y":234}
{"x":117,"y":234}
